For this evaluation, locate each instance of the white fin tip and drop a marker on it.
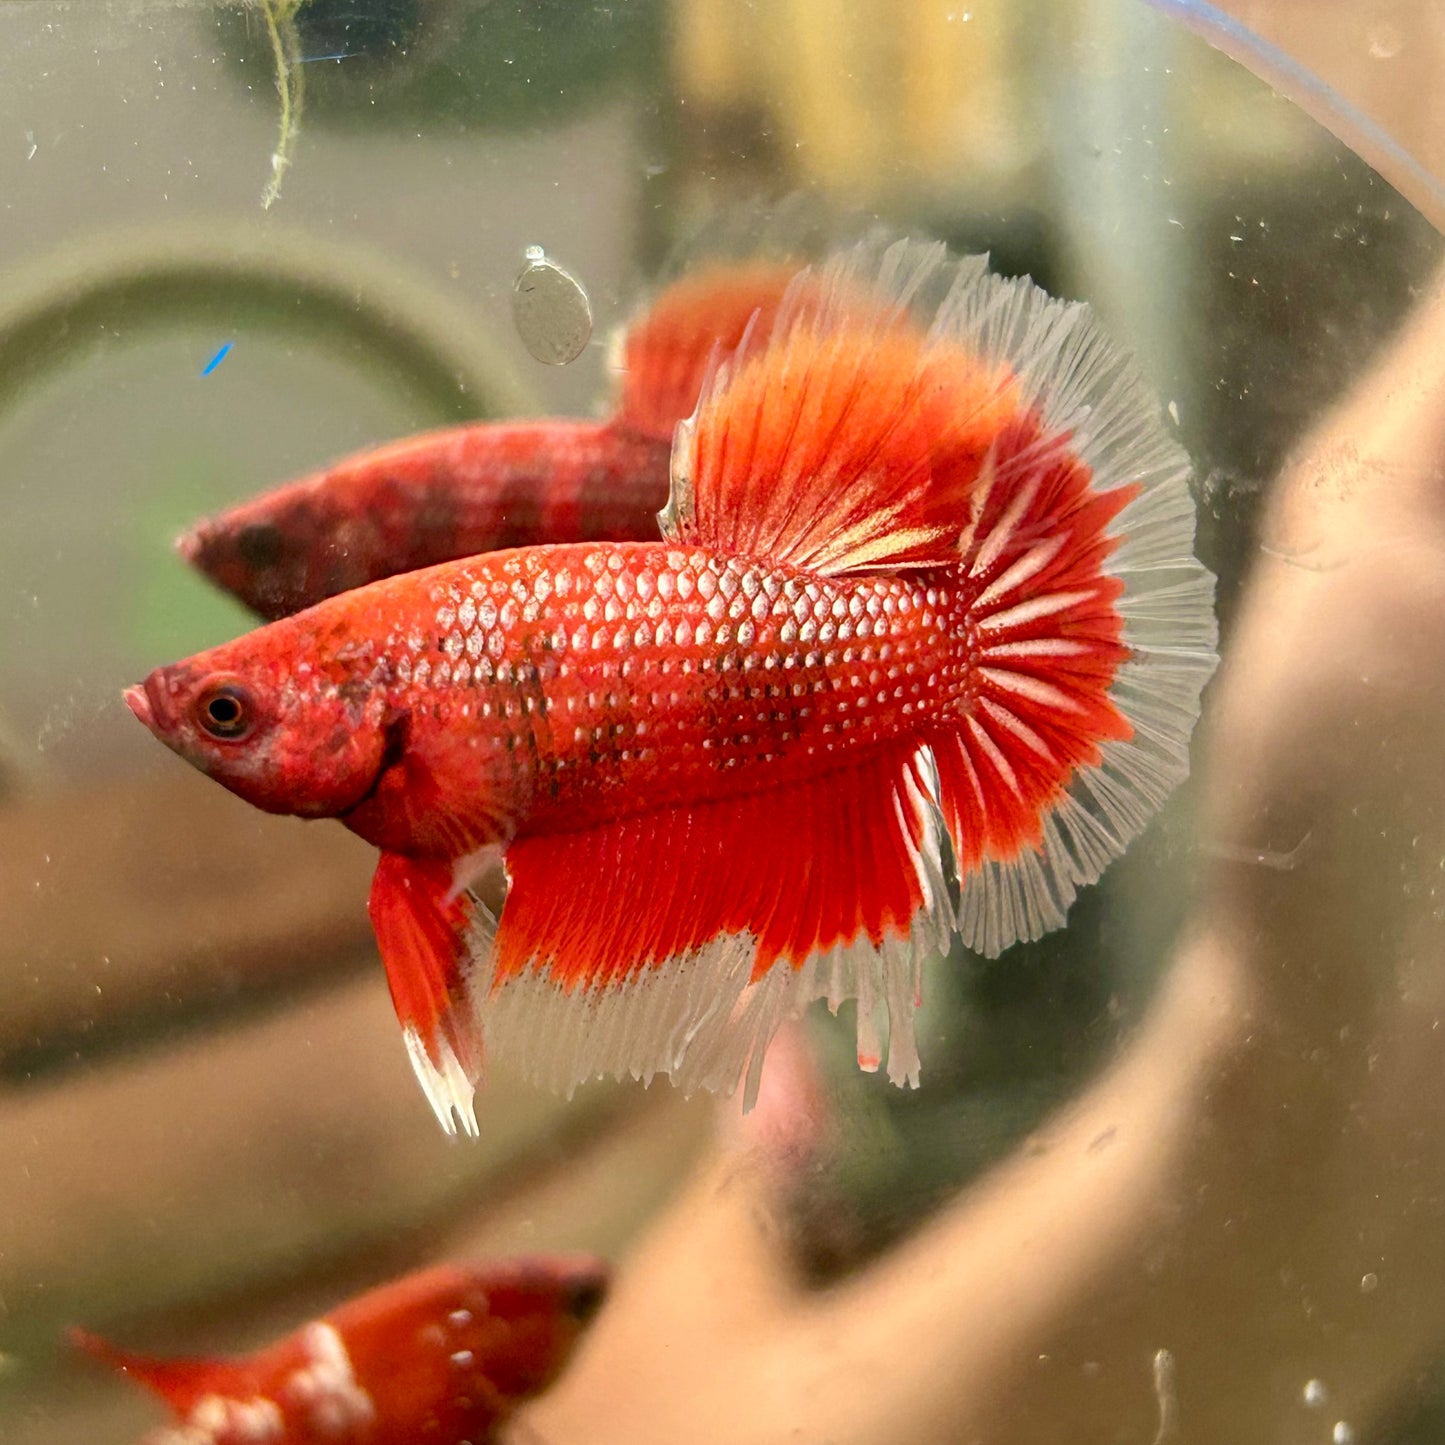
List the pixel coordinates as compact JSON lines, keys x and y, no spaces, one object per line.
{"x":451,"y":1094}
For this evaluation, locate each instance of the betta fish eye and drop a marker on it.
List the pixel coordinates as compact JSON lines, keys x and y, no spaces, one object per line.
{"x":225,"y":711}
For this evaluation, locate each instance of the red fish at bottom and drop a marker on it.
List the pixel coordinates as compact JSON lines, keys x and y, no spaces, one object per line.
{"x":445,"y":1355}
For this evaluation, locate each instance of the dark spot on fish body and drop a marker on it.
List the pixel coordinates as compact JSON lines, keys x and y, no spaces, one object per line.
{"x":259,"y":545}
{"x":384,"y":674}
{"x":435,"y":519}
{"x":519,"y":520}
{"x":585,"y":1299}
{"x":339,"y":740}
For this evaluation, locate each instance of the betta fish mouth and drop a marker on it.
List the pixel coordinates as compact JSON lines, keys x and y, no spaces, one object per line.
{"x":140,"y":705}
{"x":147,"y":700}
{"x":249,"y":561}
{"x":256,"y":545}
{"x":191,"y":546}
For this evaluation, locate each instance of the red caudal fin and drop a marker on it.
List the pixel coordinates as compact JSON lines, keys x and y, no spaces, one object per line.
{"x":612,"y":957}
{"x":926,"y":416}
{"x":1091,"y":621}
{"x":421,"y":921}
{"x":837,"y":437}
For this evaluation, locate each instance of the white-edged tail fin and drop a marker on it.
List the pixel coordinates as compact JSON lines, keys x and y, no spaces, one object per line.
{"x":906,"y":410}
{"x":1094,"y":619}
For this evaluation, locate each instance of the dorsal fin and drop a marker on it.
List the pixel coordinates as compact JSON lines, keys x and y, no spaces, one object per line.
{"x":734,"y":261}
{"x":663,"y":357}
{"x":843,"y":437}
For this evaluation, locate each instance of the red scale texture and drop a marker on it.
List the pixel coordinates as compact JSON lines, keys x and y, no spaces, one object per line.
{"x":562,"y":689}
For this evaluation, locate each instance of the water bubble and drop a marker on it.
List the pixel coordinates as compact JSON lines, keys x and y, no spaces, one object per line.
{"x":551,"y":311}
{"x":1369,"y":1283}
{"x":1343,"y":1433}
{"x":1315,"y":1394}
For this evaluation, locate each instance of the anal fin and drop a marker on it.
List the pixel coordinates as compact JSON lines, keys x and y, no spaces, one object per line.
{"x":421,"y":921}
{"x":677,"y":941}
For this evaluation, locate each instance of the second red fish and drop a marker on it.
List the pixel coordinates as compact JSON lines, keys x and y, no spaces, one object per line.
{"x":489,"y":485}
{"x":925,"y":593}
{"x":445,"y":1355}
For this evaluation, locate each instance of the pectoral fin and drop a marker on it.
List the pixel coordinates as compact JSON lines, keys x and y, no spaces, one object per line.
{"x":421,"y":922}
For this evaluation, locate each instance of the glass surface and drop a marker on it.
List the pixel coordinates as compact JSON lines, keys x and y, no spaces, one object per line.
{"x":1177,"y":1170}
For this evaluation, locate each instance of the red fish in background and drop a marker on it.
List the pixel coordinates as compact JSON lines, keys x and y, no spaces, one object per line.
{"x":445,"y":1355}
{"x":489,"y":485}
{"x":924,"y":598}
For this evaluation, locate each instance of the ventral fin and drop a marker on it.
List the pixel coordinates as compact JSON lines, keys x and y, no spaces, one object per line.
{"x":421,"y":921}
{"x":844,"y":437}
{"x":677,"y":941}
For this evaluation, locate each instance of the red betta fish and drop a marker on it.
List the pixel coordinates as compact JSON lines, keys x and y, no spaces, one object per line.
{"x":445,"y":1355}
{"x":924,"y":599}
{"x":489,"y":485}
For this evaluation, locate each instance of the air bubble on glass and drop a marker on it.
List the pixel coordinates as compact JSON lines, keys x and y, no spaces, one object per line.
{"x":1315,"y":1394}
{"x":550,"y":309}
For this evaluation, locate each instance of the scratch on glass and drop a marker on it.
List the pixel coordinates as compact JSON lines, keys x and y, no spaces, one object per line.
{"x":1164,"y":1393}
{"x":1299,"y":559}
{"x":1282,"y":862}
